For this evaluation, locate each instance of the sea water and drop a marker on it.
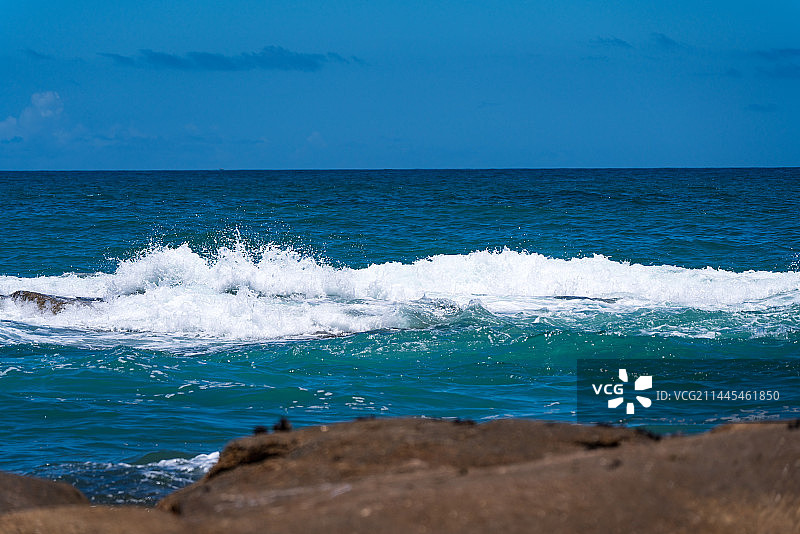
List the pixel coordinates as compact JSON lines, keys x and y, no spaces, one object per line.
{"x":226,"y":300}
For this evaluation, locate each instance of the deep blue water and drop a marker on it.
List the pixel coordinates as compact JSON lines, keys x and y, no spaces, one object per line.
{"x":233,"y":298}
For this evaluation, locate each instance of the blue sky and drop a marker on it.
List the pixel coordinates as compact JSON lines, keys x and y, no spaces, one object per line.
{"x":390,"y":84}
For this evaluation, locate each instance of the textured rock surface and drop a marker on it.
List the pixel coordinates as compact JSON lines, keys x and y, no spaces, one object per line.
{"x":420,"y":475}
{"x":20,"y":492}
{"x":345,"y":452}
{"x":508,"y":476}
{"x":92,"y":520}
{"x":51,"y":303}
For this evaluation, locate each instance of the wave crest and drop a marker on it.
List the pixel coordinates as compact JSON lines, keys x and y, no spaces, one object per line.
{"x":277,"y":293}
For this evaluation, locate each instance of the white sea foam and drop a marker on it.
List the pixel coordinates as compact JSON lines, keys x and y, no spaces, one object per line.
{"x":196,"y":464}
{"x":200,"y":463}
{"x":280,"y":294}
{"x":132,"y":483}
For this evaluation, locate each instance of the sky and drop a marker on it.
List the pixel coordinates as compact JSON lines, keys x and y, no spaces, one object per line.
{"x":398,"y":84}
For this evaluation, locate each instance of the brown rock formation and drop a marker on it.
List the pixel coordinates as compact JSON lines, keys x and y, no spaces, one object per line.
{"x":422,"y":475}
{"x":350,"y":451}
{"x":92,"y":520}
{"x":20,"y":492}
{"x":51,"y":303}
{"x":507,"y":476}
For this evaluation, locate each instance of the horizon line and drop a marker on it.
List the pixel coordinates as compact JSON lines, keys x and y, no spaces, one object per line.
{"x":381,"y":169}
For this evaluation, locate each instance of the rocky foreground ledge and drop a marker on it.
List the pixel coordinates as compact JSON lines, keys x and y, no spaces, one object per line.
{"x":423,"y":475}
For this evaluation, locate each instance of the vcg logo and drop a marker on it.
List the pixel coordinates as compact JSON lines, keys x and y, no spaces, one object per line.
{"x":642,"y":383}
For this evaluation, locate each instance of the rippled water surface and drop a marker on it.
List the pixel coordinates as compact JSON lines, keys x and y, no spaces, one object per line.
{"x":225,"y":300}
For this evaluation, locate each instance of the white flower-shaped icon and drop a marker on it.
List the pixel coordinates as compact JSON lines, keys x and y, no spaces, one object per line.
{"x":642,"y":383}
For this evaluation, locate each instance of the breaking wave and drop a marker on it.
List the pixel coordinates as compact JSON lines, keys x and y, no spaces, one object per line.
{"x":279,"y":294}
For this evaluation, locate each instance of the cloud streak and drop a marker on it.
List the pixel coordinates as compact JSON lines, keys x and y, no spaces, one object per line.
{"x":788,"y":72}
{"x":779,"y":54}
{"x":611,"y":42}
{"x":268,"y":58}
{"x":782,"y":62}
{"x":33,"y":54}
{"x":665,"y":42}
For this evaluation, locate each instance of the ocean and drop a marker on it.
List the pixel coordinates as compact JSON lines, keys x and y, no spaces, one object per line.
{"x":219,"y":301}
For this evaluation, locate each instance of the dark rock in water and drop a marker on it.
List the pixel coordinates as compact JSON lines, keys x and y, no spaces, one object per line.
{"x":51,"y":303}
{"x":459,"y":421}
{"x":282,"y":426}
{"x":18,"y":492}
{"x":610,"y":300}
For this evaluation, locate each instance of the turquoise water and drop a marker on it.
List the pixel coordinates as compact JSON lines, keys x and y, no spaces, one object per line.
{"x":230,"y":299}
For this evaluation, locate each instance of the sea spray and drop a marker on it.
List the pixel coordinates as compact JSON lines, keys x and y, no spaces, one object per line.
{"x":278,"y":294}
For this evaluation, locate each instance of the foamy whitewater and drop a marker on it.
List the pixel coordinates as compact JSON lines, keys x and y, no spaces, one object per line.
{"x":275,"y":294}
{"x":215,"y":302}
